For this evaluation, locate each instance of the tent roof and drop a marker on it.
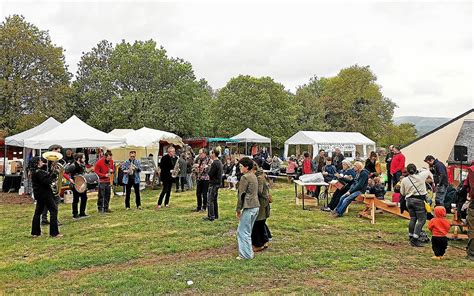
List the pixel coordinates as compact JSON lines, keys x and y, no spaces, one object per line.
{"x":120,"y":132}
{"x":146,"y":137}
{"x":19,"y":139}
{"x":249,"y":135}
{"x":313,"y":137}
{"x":74,"y":133}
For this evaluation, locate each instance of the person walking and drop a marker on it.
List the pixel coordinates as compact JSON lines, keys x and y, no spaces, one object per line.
{"x":247,"y":208}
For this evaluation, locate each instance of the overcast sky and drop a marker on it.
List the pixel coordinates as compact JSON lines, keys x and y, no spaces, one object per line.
{"x":421,"y":52}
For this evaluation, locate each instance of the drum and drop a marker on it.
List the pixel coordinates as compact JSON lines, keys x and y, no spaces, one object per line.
{"x":86,"y":182}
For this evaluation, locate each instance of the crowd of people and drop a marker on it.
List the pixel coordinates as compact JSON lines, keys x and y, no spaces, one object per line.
{"x":207,"y":172}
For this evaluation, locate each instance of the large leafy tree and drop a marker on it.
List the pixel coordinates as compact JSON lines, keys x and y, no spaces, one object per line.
{"x":400,"y":134}
{"x":257,"y":103}
{"x":33,"y":76}
{"x":353,"y":101}
{"x":310,"y":106}
{"x":135,"y":85}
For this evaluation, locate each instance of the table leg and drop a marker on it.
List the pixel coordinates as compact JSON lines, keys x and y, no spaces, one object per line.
{"x":302,"y":195}
{"x":296,"y":194}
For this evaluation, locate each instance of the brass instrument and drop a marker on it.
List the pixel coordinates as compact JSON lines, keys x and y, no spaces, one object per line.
{"x":56,"y":170}
{"x":175,"y":171}
{"x":131,"y":169}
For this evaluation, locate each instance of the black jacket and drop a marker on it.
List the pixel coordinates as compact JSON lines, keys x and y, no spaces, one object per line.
{"x":75,"y":169}
{"x":215,"y":173}
{"x":166,"y":165}
{"x":42,"y":185}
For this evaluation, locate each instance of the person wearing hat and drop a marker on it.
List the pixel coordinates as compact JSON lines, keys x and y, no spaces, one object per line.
{"x":440,"y":177}
{"x":44,"y":197}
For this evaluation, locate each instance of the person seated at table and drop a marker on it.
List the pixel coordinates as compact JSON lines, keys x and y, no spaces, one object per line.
{"x":329,"y":171}
{"x":345,"y":179}
{"x":376,"y":187}
{"x":357,"y":188}
{"x":371,"y":164}
{"x":292,"y":167}
{"x":275,"y":166}
{"x":266,"y":165}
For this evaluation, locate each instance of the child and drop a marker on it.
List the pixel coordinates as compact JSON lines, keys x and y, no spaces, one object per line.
{"x":439,"y":227}
{"x":377,"y":188}
{"x":329,"y":171}
{"x":396,"y":191}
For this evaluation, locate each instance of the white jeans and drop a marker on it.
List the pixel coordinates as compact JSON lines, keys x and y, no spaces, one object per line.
{"x":244,"y":232}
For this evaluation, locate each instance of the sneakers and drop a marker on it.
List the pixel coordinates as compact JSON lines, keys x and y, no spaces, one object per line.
{"x":207,"y":219}
{"x":140,"y":208}
{"x":437,"y":257}
{"x":83,"y":216}
{"x":57,"y":236}
{"x":158,"y":207}
{"x":128,"y":209}
{"x":325,"y":209}
{"x":75,"y":217}
{"x":167,"y":206}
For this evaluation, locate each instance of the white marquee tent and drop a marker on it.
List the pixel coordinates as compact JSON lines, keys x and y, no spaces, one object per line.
{"x":348,"y":142}
{"x":249,"y":136}
{"x":143,"y":141}
{"x":19,"y":139}
{"x":120,"y":132}
{"x":74,"y":133}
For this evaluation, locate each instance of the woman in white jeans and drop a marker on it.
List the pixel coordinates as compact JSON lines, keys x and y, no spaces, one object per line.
{"x":247,"y":208}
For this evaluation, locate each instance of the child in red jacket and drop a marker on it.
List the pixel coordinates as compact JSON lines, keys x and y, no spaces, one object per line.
{"x":439,"y":227}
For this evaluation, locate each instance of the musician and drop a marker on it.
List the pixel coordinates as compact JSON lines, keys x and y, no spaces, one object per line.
{"x":131,"y":178}
{"x":69,"y":157}
{"x":44,"y":196}
{"x":201,"y":168}
{"x":47,"y":166}
{"x":166,"y":165}
{"x":78,"y":168}
{"x":104,"y":167}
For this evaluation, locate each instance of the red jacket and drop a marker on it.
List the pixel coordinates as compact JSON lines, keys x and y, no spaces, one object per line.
{"x":439,"y":226}
{"x":470,"y":181}
{"x":398,"y":163}
{"x":102,"y":169}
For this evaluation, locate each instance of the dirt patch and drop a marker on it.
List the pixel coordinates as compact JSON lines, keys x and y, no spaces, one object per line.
{"x":15,"y":199}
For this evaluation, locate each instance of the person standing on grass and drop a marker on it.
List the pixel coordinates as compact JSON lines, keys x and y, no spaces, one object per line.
{"x":104,"y":167}
{"x":439,"y":227}
{"x":75,"y":169}
{"x":167,"y":164}
{"x":247,"y":208}
{"x":215,"y":180}
{"x":440,"y":175}
{"x":260,"y":236}
{"x":202,"y":166}
{"x":131,"y":178}
{"x":44,"y":199}
{"x":183,"y":167}
{"x":413,"y":187}
{"x":57,"y":199}
{"x":397,"y":165}
{"x":388,"y":161}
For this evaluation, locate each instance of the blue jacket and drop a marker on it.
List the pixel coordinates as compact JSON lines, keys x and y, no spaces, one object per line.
{"x":125,"y":167}
{"x":360,"y":182}
{"x":331,"y":170}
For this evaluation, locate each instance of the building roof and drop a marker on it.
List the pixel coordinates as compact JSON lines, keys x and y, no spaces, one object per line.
{"x":439,"y":127}
{"x":465,"y":138}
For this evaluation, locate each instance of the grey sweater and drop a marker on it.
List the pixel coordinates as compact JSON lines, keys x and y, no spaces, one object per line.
{"x":248,"y":192}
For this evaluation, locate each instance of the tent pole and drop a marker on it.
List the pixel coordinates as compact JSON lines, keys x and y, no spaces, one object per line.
{"x":271,"y":148}
{"x":246,"y":151}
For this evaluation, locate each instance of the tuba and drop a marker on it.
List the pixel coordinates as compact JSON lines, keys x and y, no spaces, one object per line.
{"x":56,"y":171}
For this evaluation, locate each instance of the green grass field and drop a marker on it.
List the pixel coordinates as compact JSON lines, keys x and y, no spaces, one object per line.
{"x":156,"y":252}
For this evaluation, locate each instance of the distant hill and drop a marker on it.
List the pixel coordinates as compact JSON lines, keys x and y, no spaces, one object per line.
{"x":422,"y":124}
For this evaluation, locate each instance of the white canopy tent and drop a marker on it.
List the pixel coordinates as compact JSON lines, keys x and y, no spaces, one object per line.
{"x":143,"y":141}
{"x":120,"y":132}
{"x":19,"y":139}
{"x":74,"y":133}
{"x":346,"y":141}
{"x":249,"y":136}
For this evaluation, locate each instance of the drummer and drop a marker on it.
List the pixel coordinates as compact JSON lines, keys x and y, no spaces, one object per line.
{"x":75,"y":169}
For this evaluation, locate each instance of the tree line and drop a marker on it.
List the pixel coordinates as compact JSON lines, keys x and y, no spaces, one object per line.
{"x":130,"y":85}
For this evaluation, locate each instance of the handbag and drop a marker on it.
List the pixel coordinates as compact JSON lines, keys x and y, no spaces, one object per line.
{"x":429,"y":215}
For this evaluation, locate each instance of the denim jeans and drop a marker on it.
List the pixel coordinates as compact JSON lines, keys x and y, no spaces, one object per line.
{"x":244,"y":232}
{"x":189,"y":181}
{"x":440,"y":195}
{"x":345,"y":201}
{"x":417,"y":211}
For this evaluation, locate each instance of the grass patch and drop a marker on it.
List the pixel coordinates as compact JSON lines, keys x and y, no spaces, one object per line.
{"x":150,"y":252}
